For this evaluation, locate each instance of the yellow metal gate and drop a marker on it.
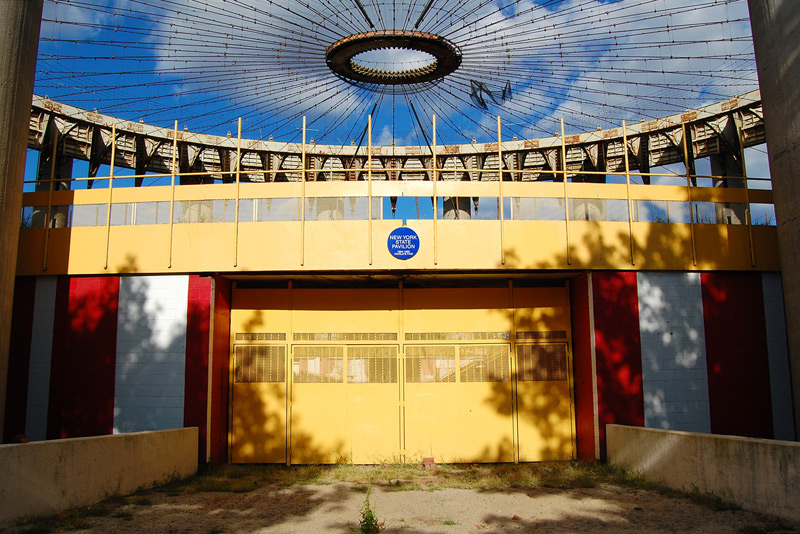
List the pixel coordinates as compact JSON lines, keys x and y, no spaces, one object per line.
{"x":391,"y":375}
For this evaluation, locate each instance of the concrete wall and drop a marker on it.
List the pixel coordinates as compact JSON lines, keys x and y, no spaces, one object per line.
{"x":759,"y":475}
{"x":50,"y":476}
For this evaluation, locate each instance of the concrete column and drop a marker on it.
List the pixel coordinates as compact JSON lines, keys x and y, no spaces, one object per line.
{"x":725,"y":164}
{"x":776,"y":35}
{"x":19,"y":38}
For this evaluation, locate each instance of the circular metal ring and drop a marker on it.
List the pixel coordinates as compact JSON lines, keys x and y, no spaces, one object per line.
{"x":339,"y":57}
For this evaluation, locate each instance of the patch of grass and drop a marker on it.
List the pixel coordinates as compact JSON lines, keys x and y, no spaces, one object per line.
{"x":116,"y":500}
{"x":100,"y":509}
{"x":450,"y":523}
{"x":714,"y":502}
{"x":141,"y":500}
{"x":405,"y":486}
{"x":53,"y":523}
{"x":223,"y":485}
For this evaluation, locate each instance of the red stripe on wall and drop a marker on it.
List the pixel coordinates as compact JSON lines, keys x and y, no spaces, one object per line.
{"x":197,"y":347}
{"x":582,"y":362}
{"x":618,"y":351}
{"x":84,"y":357}
{"x":219,"y":382}
{"x":736,"y":354}
{"x":19,"y":357}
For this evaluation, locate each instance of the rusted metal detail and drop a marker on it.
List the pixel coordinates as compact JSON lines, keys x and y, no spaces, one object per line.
{"x":147,"y":148}
{"x":340,"y":57}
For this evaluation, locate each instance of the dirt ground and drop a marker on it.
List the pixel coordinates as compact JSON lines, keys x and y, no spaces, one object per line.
{"x":337,"y":508}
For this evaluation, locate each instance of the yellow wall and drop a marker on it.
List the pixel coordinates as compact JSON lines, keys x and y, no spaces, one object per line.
{"x":347,"y":245}
{"x":478,"y":409}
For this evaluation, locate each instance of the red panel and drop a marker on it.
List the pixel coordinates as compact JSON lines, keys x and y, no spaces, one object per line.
{"x":618,"y":351}
{"x":196,"y":375}
{"x":219,"y":382}
{"x":84,"y":357}
{"x":736,"y":354}
{"x":19,"y":357}
{"x":582,"y":362}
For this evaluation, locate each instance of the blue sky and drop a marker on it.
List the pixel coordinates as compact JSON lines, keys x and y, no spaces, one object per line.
{"x":208,"y":62}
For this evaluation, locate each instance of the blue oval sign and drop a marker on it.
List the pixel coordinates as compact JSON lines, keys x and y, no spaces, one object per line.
{"x":403,"y":243}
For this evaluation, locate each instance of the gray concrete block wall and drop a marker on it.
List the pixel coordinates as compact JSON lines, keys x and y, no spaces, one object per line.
{"x":674,"y":375}
{"x":151,"y":353}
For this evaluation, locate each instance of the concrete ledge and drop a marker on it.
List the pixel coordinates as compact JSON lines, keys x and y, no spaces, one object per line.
{"x":49,"y":476}
{"x":758,"y":474}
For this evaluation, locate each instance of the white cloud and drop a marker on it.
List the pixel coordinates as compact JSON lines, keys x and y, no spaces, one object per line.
{"x":594,"y":63}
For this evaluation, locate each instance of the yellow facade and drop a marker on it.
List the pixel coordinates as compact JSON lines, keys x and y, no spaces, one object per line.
{"x":268,"y":236}
{"x":400,"y":374}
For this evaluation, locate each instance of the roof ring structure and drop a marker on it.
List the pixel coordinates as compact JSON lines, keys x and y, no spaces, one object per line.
{"x":340,"y":54}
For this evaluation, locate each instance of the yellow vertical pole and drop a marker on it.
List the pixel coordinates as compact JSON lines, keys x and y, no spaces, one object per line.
{"x":111,"y":190}
{"x":514,"y":372}
{"x":502,"y":200}
{"x":628,"y":188}
{"x":747,"y":215}
{"x":369,"y":182}
{"x":435,"y":199}
{"x":172,"y":198}
{"x":290,"y":377}
{"x":231,"y":382}
{"x":50,"y":203}
{"x":689,"y":191}
{"x":566,"y":197}
{"x":401,"y":370}
{"x":303,"y":197}
{"x":238,"y":182}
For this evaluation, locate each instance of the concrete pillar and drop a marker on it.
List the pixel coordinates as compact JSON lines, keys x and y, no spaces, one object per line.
{"x":456,"y":208}
{"x":19,"y":38}
{"x":776,"y":35}
{"x":725,"y":164}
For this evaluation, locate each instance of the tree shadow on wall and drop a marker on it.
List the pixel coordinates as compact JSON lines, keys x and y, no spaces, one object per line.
{"x":81,"y":393}
{"x":151,"y":355}
{"x":617,"y":343}
{"x":542,"y":399}
{"x":260,"y":412}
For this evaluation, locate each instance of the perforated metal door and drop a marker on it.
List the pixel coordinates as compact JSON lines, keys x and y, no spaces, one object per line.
{"x":258,"y":396}
{"x":544,"y":402}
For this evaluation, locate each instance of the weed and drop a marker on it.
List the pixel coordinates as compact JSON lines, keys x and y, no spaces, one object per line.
{"x":369,"y":521}
{"x":450,"y":523}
